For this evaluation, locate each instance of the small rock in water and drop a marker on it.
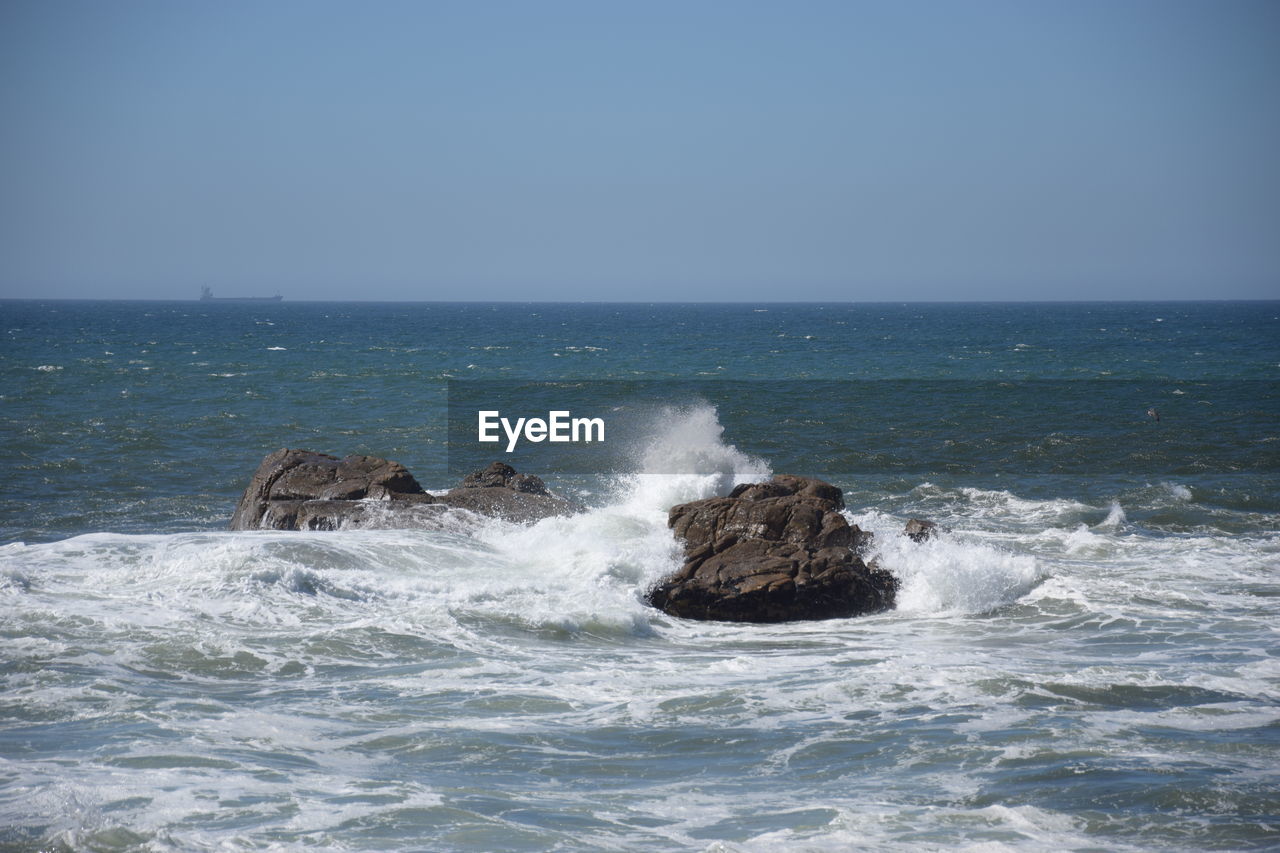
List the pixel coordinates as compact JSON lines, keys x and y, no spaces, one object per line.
{"x":920,"y":530}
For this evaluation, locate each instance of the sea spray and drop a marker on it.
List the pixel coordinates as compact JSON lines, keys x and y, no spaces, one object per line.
{"x":594,"y":565}
{"x":684,"y":458}
{"x":1115,"y":519}
{"x":190,"y":688}
{"x":948,"y":573}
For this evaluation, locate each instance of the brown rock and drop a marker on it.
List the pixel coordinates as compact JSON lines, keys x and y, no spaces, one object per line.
{"x":772,"y":552}
{"x":302,"y":475}
{"x":502,"y":492}
{"x":502,"y":475}
{"x":304,"y":490}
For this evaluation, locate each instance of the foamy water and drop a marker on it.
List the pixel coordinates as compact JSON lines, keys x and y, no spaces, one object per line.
{"x":504,"y":687}
{"x":1085,"y":659}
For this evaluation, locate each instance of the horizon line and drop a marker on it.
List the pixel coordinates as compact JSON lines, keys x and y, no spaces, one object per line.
{"x":268,"y":301}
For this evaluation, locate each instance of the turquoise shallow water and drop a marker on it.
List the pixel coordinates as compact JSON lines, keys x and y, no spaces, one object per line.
{"x":1087,"y":661}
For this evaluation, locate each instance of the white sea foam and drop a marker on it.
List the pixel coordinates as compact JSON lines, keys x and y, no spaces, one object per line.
{"x":1082,"y":542}
{"x":998,"y":508}
{"x":686,"y":459}
{"x":949,"y":573}
{"x":337,"y":690}
{"x":591,"y":566}
{"x":566,"y":573}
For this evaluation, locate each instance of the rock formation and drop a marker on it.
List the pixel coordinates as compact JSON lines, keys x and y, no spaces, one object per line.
{"x":772,"y":552}
{"x":768,"y":552}
{"x":303,"y":490}
{"x":502,"y":492}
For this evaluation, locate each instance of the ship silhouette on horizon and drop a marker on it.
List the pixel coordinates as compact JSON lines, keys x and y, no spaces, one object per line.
{"x":206,"y":295}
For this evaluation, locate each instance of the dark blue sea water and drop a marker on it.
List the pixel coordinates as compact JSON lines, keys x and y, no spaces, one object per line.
{"x":1088,"y":661}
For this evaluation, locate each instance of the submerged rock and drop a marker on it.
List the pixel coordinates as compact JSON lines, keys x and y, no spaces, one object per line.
{"x":772,"y":552}
{"x":304,"y":490}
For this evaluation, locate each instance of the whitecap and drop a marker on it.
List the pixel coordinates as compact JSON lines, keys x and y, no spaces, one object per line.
{"x":1083,"y":542}
{"x":1115,"y":519}
{"x":949,"y":574}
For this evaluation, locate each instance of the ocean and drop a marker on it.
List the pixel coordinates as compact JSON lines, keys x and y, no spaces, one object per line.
{"x":1087,"y":659}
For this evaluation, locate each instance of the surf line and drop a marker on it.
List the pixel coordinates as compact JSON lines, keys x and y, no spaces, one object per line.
{"x":558,"y":426}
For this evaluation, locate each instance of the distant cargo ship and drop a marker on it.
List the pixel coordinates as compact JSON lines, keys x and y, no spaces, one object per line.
{"x":206,"y":295}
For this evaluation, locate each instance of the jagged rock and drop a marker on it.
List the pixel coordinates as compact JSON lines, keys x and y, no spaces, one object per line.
{"x":502,"y":475}
{"x":502,"y":492}
{"x":304,"y":490}
{"x":772,"y":552}
{"x":288,"y":477}
{"x":407,"y":512}
{"x":920,"y":530}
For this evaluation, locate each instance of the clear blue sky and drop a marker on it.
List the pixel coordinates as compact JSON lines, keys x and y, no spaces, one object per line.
{"x":898,"y":150}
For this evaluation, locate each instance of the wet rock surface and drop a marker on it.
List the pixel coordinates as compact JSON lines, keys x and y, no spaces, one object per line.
{"x":305,"y":490}
{"x":501,"y":491}
{"x":772,"y":552}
